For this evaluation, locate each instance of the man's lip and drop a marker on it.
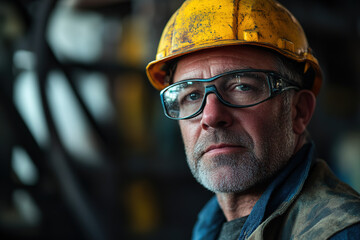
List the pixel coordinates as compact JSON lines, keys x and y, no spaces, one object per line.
{"x":220,"y":146}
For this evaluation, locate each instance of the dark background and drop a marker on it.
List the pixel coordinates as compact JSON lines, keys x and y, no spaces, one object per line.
{"x":85,"y":150}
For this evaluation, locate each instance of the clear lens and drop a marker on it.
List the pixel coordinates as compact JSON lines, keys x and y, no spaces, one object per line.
{"x":237,"y":89}
{"x":184,"y":99}
{"x":243,"y":89}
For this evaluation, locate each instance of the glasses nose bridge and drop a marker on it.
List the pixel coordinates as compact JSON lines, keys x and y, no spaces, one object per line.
{"x":212,"y":89}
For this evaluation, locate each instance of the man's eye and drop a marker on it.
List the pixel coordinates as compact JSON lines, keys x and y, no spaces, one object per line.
{"x":192,"y":97}
{"x":243,"y":87}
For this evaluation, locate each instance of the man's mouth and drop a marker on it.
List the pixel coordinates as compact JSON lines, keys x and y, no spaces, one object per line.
{"x":223,"y":148}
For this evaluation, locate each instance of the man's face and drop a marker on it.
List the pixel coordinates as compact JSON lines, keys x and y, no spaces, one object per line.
{"x":235,"y":149}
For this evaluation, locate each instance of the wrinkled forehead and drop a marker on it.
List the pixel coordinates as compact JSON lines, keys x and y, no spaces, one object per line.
{"x":211,"y":62}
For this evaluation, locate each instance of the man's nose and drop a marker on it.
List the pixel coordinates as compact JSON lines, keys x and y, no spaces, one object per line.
{"x":215,"y":114}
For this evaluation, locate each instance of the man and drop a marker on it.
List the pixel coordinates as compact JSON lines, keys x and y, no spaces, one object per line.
{"x":242,"y":81}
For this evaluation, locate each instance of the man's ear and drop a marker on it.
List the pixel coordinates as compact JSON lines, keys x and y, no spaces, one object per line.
{"x":303,"y":107}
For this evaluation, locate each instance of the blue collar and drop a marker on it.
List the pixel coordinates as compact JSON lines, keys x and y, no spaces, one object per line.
{"x":282,"y":189}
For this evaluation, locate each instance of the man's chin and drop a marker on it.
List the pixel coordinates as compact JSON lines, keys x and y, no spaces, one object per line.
{"x":225,"y":180}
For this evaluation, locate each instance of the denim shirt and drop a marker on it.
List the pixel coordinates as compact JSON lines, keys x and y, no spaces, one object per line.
{"x":283,"y":188}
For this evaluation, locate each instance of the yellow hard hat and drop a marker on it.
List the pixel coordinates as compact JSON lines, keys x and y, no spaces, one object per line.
{"x":204,"y":24}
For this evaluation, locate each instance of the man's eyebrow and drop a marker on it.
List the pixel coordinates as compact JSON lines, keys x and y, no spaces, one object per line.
{"x":228,"y":69}
{"x":224,"y":70}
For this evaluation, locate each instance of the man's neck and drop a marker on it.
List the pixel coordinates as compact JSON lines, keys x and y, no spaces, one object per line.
{"x":237,"y":205}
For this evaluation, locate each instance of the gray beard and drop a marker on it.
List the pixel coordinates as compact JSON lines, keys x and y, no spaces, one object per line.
{"x":238,"y":172}
{"x":234,"y":172}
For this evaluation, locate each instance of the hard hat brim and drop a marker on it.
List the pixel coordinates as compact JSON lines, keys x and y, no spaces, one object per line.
{"x":156,"y":70}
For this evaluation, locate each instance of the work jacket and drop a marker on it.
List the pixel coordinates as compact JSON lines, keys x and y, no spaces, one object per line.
{"x":305,"y":201}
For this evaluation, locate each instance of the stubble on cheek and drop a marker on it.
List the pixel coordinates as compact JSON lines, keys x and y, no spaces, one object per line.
{"x":227,"y":173}
{"x":231,"y":172}
{"x":258,"y":163}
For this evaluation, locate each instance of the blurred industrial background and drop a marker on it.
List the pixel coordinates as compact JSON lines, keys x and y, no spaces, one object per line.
{"x":85,"y":151}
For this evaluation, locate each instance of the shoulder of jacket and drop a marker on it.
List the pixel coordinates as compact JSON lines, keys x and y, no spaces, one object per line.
{"x":325,"y":205}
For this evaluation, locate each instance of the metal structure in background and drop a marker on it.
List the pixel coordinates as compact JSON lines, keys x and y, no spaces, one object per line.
{"x":116,"y":197}
{"x":66,"y":212}
{"x":140,"y":188}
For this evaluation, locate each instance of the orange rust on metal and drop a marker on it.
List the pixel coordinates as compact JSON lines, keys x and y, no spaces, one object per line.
{"x":236,"y":19}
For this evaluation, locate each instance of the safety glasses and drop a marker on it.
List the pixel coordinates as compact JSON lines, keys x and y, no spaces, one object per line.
{"x":239,"y":89}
